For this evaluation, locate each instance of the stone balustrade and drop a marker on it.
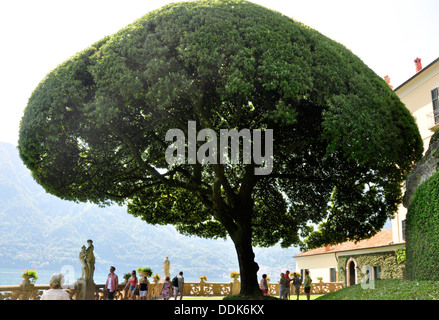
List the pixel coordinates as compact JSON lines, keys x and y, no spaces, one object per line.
{"x":26,"y":291}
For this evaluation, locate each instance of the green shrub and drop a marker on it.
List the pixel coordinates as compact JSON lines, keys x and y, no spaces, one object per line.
{"x":422,"y":232}
{"x":146,"y":270}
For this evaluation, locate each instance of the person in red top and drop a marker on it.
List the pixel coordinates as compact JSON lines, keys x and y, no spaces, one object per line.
{"x":111,"y":284}
{"x":132,"y":283}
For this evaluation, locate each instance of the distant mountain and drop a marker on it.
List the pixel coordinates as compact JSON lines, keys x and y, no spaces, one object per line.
{"x":41,"y":231}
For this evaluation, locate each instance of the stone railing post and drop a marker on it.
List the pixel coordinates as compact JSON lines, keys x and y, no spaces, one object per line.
{"x":202,"y":285}
{"x":236,"y":286}
{"x":26,"y":289}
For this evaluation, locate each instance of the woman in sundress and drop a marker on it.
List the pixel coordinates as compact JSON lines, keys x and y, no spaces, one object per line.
{"x":166,"y":289}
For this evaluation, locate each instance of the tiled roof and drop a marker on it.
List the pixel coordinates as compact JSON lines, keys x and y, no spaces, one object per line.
{"x":382,"y":238}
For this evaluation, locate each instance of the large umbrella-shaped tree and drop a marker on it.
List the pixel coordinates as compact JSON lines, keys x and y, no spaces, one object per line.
{"x":95,"y":129}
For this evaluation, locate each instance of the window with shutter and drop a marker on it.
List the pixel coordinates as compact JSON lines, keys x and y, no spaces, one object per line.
{"x":332,"y":275}
{"x":434,"y":98}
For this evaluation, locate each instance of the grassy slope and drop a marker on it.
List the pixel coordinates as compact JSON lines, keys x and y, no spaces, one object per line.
{"x":391,"y":289}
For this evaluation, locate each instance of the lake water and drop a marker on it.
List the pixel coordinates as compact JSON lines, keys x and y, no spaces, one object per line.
{"x":12,"y":276}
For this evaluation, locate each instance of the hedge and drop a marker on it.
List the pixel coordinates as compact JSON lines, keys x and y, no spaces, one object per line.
{"x":422,"y":232}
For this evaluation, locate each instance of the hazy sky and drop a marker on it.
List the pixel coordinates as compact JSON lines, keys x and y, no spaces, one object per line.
{"x":36,"y":36}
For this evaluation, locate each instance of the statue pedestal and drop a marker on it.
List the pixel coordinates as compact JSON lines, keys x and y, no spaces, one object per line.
{"x":85,"y":289}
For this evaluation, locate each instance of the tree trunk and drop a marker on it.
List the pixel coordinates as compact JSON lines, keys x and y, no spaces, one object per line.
{"x":238,"y":224}
{"x":248,"y":268}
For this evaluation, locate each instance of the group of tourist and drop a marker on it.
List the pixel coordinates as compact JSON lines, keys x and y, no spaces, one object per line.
{"x":177,"y":285}
{"x":285,"y":285}
{"x":56,"y":292}
{"x":134,"y":285}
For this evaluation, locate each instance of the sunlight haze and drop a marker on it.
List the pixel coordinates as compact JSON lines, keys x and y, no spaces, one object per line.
{"x":36,"y":36}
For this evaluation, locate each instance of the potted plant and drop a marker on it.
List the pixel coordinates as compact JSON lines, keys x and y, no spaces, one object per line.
{"x":29,"y":275}
{"x":156,"y":277}
{"x":234,"y":275}
{"x":202,"y":278}
{"x":126,"y":276}
{"x":144,"y":272}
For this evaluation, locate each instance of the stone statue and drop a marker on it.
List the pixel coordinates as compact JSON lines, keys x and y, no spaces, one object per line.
{"x":90,"y":260}
{"x":84,"y":271}
{"x":166,"y":266}
{"x":85,"y":285}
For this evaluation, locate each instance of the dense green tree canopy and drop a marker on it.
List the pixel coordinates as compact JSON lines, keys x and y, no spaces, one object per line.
{"x":94,"y":128}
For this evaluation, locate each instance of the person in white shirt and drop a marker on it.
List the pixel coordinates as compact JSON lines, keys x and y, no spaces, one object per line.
{"x":56,"y":292}
{"x":178,"y":291}
{"x":110,"y":287}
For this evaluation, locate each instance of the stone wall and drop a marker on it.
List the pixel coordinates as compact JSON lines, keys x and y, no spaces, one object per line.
{"x":390,"y":269}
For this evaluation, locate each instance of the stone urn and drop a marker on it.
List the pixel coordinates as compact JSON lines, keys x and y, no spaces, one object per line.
{"x":26,"y":287}
{"x":26,"y":283}
{"x":25,"y":279}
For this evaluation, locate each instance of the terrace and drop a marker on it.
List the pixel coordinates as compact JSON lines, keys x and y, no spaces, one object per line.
{"x":29,"y":291}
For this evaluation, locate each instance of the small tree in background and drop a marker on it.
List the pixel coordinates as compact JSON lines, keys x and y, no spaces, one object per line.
{"x":95,"y":127}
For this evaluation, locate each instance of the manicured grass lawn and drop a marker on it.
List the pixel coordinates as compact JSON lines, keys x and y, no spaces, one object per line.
{"x":203,"y":298}
{"x":390,"y":289}
{"x":303,"y":297}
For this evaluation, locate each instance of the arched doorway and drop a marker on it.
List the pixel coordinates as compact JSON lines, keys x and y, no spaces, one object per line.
{"x":351,"y":272}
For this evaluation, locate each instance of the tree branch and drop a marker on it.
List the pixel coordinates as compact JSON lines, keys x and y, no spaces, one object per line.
{"x":136,"y":154}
